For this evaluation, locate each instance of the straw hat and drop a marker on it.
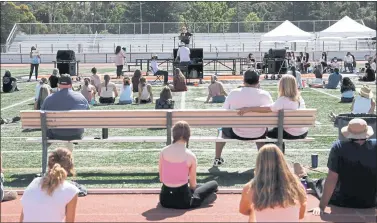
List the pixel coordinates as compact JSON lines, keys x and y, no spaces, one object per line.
{"x":366,"y":92}
{"x":357,"y":129}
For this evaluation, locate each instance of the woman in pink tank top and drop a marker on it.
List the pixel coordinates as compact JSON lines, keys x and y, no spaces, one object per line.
{"x":275,"y":194}
{"x":177,"y":169}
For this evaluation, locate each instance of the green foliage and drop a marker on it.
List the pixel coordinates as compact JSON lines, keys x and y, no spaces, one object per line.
{"x":250,"y":20}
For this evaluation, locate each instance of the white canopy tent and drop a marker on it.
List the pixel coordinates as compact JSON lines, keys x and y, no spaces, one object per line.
{"x":347,"y":28}
{"x":287,"y":32}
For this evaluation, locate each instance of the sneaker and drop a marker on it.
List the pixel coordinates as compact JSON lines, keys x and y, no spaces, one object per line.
{"x":10,"y":195}
{"x":218,"y":162}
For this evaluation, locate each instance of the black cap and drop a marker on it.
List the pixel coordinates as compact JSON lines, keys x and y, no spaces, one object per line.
{"x":65,"y":79}
{"x":251,"y":77}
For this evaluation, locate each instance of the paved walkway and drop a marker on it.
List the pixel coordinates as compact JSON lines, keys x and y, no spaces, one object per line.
{"x":143,"y":207}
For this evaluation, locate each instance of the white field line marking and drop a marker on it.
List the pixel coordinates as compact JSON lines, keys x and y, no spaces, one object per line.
{"x":151,"y":150}
{"x":19,"y":103}
{"x":183,"y":100}
{"x":314,"y":89}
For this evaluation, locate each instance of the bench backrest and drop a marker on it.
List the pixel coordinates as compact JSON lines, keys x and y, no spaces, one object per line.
{"x":226,"y":118}
{"x":164,"y":118}
{"x":95,"y":119}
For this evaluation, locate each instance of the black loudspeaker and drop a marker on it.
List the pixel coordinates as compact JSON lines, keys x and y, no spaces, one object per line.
{"x":66,"y":55}
{"x":274,"y":67}
{"x":279,"y":53}
{"x":67,"y":68}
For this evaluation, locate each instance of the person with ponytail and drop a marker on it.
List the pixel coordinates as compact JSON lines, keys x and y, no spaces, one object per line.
{"x":44,"y":91}
{"x":89,"y":91}
{"x":108,"y":91}
{"x":297,"y":75}
{"x":126,"y":94}
{"x":52,"y":198}
{"x":177,"y":171}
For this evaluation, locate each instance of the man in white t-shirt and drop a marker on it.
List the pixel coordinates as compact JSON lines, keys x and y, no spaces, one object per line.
{"x":183,"y":53}
{"x":248,"y":96}
{"x":156,"y":71}
{"x":348,"y":62}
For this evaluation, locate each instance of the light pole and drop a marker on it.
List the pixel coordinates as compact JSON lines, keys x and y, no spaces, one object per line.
{"x":141,"y":19}
{"x":93,"y":21}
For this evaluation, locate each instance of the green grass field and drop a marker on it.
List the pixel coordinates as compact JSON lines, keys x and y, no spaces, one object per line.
{"x":127,"y":165}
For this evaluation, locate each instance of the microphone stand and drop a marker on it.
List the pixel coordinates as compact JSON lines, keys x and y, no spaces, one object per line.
{"x":217,"y":56}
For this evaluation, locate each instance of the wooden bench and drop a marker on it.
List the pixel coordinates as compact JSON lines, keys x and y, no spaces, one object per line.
{"x":108,"y":119}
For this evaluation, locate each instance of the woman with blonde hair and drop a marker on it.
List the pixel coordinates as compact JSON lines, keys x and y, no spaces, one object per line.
{"x":44,"y":91}
{"x":108,"y":91}
{"x":145,"y":92}
{"x":52,"y":198}
{"x":177,"y":171}
{"x":275,"y":193}
{"x":289,"y":98}
{"x":165,"y":101}
{"x":179,"y":81}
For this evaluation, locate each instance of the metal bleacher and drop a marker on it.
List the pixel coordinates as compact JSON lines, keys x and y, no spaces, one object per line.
{"x":210,"y":42}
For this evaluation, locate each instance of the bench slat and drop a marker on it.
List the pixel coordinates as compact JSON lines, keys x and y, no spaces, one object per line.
{"x":97,"y":114}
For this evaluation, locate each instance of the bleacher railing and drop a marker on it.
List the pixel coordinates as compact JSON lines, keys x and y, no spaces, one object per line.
{"x":168,"y":27}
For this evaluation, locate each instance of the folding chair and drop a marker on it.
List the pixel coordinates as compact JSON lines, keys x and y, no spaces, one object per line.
{"x":158,"y":77}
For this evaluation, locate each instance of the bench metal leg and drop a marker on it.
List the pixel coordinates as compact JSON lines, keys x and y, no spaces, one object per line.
{"x":105,"y":133}
{"x":44,"y":142}
{"x":169,"y":125}
{"x":280,"y":130}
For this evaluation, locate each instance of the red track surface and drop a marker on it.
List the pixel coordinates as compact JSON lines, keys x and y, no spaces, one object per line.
{"x":143,"y":207}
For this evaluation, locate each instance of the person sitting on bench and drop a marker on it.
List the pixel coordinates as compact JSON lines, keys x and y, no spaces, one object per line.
{"x":348,"y":62}
{"x":165,"y":101}
{"x":108,"y":91}
{"x":126,"y":92}
{"x":177,"y":172}
{"x":289,"y":99}
{"x":156,"y":71}
{"x":216,"y":91}
{"x":179,"y":81}
{"x":250,"y":95}
{"x":145,"y":92}
{"x":351,"y":178}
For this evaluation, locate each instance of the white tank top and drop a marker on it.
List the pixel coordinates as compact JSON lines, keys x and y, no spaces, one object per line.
{"x":38,"y":206}
{"x":145,"y":95}
{"x":362,"y":105}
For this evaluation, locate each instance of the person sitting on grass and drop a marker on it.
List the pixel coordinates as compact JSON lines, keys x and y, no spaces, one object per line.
{"x":370,"y":74}
{"x":351,"y":178}
{"x":289,"y":98}
{"x":297,"y":75}
{"x":44,"y":92}
{"x":318,"y":82}
{"x":165,"y":101}
{"x":177,"y":172}
{"x":179,"y":81}
{"x":52,"y":198}
{"x":89,"y":91}
{"x":216,"y":91}
{"x":95,"y":80}
{"x":348,"y":90}
{"x":250,"y":95}
{"x":135,"y":82}
{"x":333,"y":80}
{"x":54,"y":79}
{"x":275,"y":193}
{"x":364,"y":102}
{"x":5,"y":195}
{"x":42,"y":81}
{"x":108,"y":91}
{"x":145,"y":92}
{"x":126,"y":92}
{"x":9,"y":83}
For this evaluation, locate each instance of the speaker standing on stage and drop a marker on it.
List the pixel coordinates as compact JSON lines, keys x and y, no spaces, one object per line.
{"x":185,"y":36}
{"x":119,"y":60}
{"x":35,"y":60}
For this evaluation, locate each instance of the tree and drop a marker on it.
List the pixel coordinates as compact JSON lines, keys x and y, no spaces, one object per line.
{"x":250,"y":20}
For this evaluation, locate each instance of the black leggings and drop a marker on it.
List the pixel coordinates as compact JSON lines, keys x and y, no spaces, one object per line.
{"x":119,"y":70}
{"x":184,"y":198}
{"x":273,"y":134}
{"x":346,"y":100}
{"x":106,"y":100}
{"x":32,"y":68}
